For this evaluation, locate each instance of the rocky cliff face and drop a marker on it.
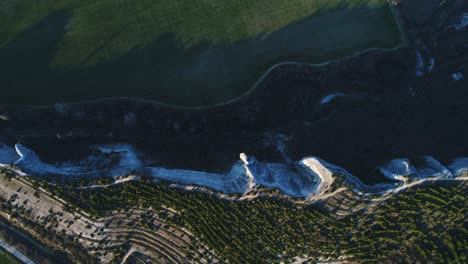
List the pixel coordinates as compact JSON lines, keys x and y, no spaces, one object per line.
{"x":359,"y":112}
{"x":306,"y":178}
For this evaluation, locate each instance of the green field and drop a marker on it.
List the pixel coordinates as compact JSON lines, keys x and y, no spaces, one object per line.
{"x":181,"y":52}
{"x":7,"y":258}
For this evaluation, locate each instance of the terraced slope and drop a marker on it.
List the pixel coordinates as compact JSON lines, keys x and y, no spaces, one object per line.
{"x":108,"y":237}
{"x":424,"y":223}
{"x":180,"y":52}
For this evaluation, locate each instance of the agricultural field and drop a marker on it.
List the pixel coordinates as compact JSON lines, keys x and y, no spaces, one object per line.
{"x":178,"y":52}
{"x":424,"y":223}
{"x":144,"y":220}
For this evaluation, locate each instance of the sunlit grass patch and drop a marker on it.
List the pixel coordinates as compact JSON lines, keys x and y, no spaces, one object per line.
{"x":114,"y":27}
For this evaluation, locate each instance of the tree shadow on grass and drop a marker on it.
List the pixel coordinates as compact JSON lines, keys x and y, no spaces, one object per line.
{"x":25,"y":61}
{"x":163,"y":70}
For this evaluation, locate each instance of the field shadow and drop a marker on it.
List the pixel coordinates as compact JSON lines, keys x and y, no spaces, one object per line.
{"x":201,"y":75}
{"x":25,"y":61}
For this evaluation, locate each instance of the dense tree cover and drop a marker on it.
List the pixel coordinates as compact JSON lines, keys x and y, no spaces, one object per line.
{"x":426,"y":223}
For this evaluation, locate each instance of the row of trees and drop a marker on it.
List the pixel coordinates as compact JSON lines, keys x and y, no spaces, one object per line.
{"x":423,"y":224}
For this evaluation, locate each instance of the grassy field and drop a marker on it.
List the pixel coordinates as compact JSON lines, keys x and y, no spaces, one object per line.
{"x":6,"y":258}
{"x":181,"y":52}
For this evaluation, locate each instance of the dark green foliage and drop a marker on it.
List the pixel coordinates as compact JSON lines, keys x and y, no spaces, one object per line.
{"x":6,"y":258}
{"x":422,"y":224}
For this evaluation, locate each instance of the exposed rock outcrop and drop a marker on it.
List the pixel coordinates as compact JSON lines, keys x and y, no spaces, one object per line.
{"x":307,"y":178}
